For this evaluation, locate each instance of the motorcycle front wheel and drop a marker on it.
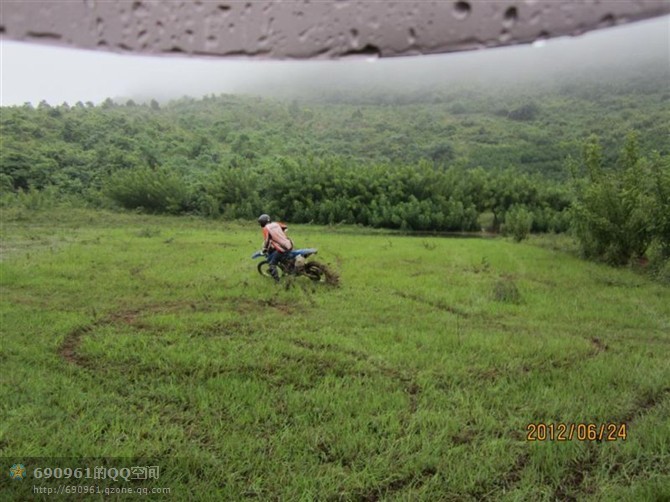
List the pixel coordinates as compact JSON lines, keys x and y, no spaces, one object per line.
{"x":264,"y":269}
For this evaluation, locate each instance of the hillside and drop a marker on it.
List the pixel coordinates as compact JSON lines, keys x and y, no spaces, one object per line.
{"x":451,"y":157}
{"x":532,"y":127}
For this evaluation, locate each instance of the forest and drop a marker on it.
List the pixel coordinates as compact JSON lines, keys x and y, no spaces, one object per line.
{"x":586,"y":154}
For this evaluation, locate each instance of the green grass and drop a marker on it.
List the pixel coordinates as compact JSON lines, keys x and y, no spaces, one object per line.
{"x":154,"y":337}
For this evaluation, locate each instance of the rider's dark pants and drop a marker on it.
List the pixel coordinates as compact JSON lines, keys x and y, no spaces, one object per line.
{"x":275,"y":257}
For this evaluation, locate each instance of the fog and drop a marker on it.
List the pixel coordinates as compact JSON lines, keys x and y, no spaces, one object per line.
{"x":32,"y":73}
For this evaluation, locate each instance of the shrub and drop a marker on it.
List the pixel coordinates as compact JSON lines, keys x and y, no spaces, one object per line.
{"x":155,"y":191}
{"x":506,"y":291}
{"x":518,"y":222}
{"x":31,"y":199}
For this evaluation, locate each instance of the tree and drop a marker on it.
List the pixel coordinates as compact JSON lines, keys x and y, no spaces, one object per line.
{"x":618,"y":210}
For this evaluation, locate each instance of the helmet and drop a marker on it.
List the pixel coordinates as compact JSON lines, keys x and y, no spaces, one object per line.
{"x":263,"y":220}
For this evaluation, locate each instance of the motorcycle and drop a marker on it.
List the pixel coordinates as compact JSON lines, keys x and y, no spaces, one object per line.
{"x":294,"y":264}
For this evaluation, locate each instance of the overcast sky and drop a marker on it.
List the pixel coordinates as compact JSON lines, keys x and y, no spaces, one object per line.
{"x":32,"y":73}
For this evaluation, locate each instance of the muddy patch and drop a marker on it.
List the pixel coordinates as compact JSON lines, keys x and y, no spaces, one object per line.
{"x":598,"y":344}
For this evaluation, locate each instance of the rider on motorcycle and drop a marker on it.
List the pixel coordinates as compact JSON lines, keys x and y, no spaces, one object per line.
{"x":275,"y":243}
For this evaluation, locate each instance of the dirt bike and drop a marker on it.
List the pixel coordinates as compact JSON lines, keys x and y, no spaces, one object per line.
{"x":294,"y":264}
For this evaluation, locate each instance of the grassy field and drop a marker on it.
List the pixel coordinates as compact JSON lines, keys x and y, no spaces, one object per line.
{"x":416,"y":379}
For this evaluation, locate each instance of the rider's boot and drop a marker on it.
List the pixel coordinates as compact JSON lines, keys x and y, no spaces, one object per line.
{"x":274,"y":273}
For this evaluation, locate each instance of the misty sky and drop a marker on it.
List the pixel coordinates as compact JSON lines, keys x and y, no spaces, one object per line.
{"x":32,"y":73}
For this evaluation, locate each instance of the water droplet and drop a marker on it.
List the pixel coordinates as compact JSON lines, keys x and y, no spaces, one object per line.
{"x":411,"y":39}
{"x":462,"y":10}
{"x":607,"y":20}
{"x":368,"y":52}
{"x":511,"y":17}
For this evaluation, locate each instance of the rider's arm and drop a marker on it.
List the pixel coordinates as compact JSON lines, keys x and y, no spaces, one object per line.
{"x":266,"y":242}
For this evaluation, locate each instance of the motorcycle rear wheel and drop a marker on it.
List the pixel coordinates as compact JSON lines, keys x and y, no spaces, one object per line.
{"x":315,"y":271}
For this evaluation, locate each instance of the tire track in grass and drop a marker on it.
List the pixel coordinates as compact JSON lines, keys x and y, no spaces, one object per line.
{"x":439,"y":305}
{"x":575,"y":479}
{"x":574,"y":485}
{"x":506,"y":482}
{"x":407,"y":381}
{"x":408,"y":384}
{"x":573,"y":489}
{"x":643,"y":406}
{"x":508,"y":479}
{"x":512,"y":477}
{"x":69,"y":348}
{"x":597,"y":344}
{"x":389,"y":488}
{"x":491,"y":375}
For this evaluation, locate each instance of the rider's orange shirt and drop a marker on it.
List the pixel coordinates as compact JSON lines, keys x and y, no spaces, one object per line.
{"x":274,"y":236}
